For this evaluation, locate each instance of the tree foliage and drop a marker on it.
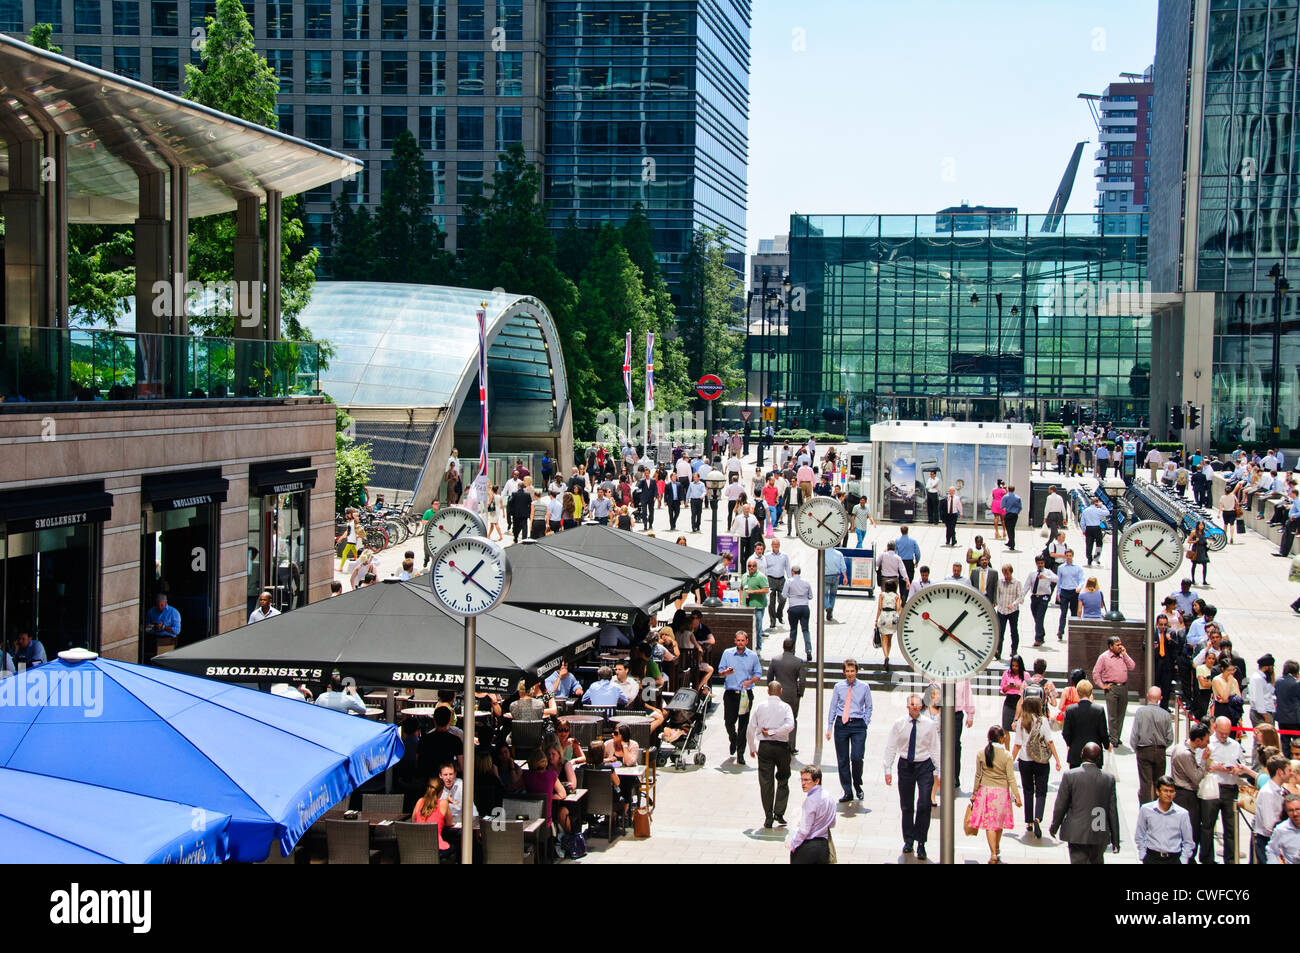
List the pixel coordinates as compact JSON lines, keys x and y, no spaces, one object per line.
{"x":355,"y":465}
{"x":710,"y":290}
{"x":234,"y":78}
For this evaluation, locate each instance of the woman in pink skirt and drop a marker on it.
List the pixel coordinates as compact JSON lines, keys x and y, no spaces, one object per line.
{"x":996,"y":509}
{"x":995,"y":788}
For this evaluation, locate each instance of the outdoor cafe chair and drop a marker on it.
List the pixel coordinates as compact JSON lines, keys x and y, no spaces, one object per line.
{"x":528,"y":807}
{"x":525,"y":736}
{"x":600,"y":797}
{"x":503,"y":843}
{"x":417,"y":843}
{"x":349,"y":842}
{"x":381,"y":803}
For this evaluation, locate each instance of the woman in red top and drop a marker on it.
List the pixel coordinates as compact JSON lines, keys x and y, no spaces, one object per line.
{"x":434,"y":808}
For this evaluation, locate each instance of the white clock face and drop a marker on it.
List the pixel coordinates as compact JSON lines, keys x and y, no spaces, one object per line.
{"x":1151,"y":550}
{"x":449,"y":523}
{"x":470,"y":575}
{"x":821,"y":522}
{"x":948,"y":631}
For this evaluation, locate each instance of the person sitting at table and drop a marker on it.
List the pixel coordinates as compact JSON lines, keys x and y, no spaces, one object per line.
{"x":509,"y":772}
{"x":570,"y":749}
{"x":440,"y":746}
{"x":563,"y":769}
{"x":621,"y":750}
{"x":561,"y":684}
{"x":645,"y":669}
{"x":604,"y":693}
{"x":455,"y":803}
{"x":542,"y":779}
{"x":433,"y":808}
{"x":29,"y":652}
{"x":629,"y":686}
{"x":162,"y":619}
{"x":340,"y":698}
{"x":489,"y":792}
{"x":531,"y":705}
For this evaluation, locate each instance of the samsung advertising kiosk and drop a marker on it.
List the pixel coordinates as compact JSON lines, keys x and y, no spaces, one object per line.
{"x":969,"y":456}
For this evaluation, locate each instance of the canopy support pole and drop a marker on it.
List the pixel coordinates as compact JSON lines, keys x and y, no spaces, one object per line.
{"x":391,"y":717}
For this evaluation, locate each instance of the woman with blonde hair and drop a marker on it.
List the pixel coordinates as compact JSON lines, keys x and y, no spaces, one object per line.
{"x":435,"y":808}
{"x":1091,"y":600}
{"x":995,"y":787}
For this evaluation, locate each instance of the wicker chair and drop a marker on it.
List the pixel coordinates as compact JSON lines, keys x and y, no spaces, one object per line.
{"x":381,"y":803}
{"x":525,"y":736}
{"x":417,"y":843}
{"x":503,"y":843}
{"x":349,"y":842}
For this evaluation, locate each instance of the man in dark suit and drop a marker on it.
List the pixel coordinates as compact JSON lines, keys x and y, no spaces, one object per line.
{"x":1085,"y":723}
{"x":521,"y":508}
{"x":673,"y":496}
{"x":787,"y":668}
{"x":1087,"y":811}
{"x":984,"y":579}
{"x":1286,"y":694}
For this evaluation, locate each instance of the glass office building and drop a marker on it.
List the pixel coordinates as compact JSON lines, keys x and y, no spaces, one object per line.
{"x":1225,"y":218}
{"x":1035,"y":317}
{"x":649,"y":102}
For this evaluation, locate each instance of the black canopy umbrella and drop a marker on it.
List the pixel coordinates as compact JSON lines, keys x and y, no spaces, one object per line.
{"x":389,"y":634}
{"x":585,"y":588}
{"x":637,"y":552}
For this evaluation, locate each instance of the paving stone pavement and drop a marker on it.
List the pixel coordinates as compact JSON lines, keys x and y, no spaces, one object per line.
{"x":712,"y":814}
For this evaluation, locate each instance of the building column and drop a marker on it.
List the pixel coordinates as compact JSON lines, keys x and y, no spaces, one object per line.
{"x":247,"y":310}
{"x":153,"y":301}
{"x":25,"y":235}
{"x":56,"y":242}
{"x":179,"y":178}
{"x":274,"y":251}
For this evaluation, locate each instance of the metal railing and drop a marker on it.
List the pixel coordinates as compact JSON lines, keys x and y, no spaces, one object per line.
{"x":47,"y":365}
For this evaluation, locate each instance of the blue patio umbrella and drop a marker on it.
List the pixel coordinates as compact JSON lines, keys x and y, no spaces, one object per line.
{"x":52,"y":821}
{"x":273,"y":764}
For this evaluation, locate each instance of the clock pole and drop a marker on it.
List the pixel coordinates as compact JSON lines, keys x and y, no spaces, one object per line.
{"x":948,"y":786}
{"x":468,"y":753}
{"x":1151,"y":634}
{"x":821,"y":659}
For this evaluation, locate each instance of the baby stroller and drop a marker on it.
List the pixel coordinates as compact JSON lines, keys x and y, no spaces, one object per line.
{"x":686,"y":712}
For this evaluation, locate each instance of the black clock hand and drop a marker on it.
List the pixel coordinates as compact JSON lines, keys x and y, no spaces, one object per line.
{"x":1151,"y":550}
{"x":948,"y":633}
{"x":469,"y":576}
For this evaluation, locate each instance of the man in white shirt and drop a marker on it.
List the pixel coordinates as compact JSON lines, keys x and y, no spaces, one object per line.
{"x":770,"y":724}
{"x":732,"y":492}
{"x":1155,"y":460}
{"x":1268,"y":806}
{"x":932,"y":498}
{"x":957,"y":576}
{"x":804,"y":477}
{"x":734,"y":465}
{"x":1224,"y":762}
{"x":263,"y":610}
{"x":810,"y":843}
{"x":921,"y":581}
{"x":1263,"y":704}
{"x":555,"y":510}
{"x":1038,"y":590}
{"x":341,"y":699}
{"x":914,"y":741}
{"x":625,"y":683}
{"x":775,"y":565}
{"x":1054,"y":510}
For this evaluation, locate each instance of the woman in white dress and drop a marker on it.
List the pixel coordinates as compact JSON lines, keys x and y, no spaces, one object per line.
{"x":492,"y":510}
{"x":887,"y":607}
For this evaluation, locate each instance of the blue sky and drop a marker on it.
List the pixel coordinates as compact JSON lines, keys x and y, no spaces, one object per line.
{"x":912,"y":105}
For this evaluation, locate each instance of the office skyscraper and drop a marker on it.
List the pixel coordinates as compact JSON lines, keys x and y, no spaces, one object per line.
{"x":1123,"y":173}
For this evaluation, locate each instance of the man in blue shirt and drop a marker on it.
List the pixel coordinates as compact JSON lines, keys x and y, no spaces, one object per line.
{"x":1103,"y":460}
{"x":740,"y":669}
{"x":561,"y":684}
{"x":1011,"y":507}
{"x":835,"y":574}
{"x":1091,"y":519}
{"x":1069,"y":580}
{"x":603,"y":693}
{"x":28,"y":652}
{"x":162,"y":619}
{"x":695,"y":492}
{"x":847,"y":720}
{"x":1184,"y":597}
{"x":908,"y":551}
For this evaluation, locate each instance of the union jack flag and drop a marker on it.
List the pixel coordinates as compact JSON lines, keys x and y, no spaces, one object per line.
{"x":650,"y":371}
{"x":627,"y":370}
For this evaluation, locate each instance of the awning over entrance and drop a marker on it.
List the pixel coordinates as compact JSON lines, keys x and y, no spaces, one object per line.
{"x":393,"y":633}
{"x":50,"y":507}
{"x":176,"y":491}
{"x":279,"y":478}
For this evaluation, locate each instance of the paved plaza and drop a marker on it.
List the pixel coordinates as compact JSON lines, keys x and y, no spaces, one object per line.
{"x":712,"y":814}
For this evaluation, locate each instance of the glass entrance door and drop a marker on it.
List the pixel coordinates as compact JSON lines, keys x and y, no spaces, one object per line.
{"x":178,"y":555}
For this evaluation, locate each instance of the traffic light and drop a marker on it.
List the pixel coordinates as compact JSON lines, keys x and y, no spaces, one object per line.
{"x":1193,"y":417}
{"x":1175,"y":418}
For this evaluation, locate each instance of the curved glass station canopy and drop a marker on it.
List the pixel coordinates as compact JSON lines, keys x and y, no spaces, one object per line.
{"x":406,"y":363}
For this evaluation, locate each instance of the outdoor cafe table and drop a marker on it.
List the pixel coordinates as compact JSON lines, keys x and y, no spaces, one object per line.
{"x":639,"y":726}
{"x":419,"y":712}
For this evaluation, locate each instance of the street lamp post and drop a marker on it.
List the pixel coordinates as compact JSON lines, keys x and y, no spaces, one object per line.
{"x":714,"y":480}
{"x":1115,"y":488}
{"x":1280,"y":287}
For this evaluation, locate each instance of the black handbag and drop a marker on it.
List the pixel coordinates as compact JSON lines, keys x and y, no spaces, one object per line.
{"x":876,"y":638}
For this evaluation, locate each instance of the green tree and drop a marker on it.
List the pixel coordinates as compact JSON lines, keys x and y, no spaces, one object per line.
{"x":234,"y":78}
{"x":409,"y":245}
{"x":506,"y":243}
{"x":355,"y":465}
{"x":351,"y":242}
{"x":573,"y":247}
{"x":672,"y":382}
{"x":40,"y":37}
{"x":709,"y":292}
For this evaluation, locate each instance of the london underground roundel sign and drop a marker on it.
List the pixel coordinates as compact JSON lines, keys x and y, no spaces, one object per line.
{"x":709,"y":387}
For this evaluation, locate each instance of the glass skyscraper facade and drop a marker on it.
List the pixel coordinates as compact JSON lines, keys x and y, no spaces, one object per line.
{"x":1226,"y":215}
{"x":648,"y":101}
{"x":1031,"y":318}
